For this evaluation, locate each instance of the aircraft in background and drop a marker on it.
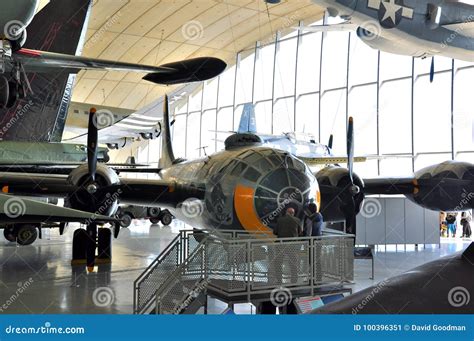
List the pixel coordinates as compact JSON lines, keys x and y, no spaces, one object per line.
{"x":303,"y":146}
{"x":38,"y":62}
{"x":421,"y":28}
{"x":22,"y":218}
{"x":36,"y":153}
{"x":120,"y":127}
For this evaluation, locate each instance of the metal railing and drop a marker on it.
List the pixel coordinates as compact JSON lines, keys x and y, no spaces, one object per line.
{"x":236,"y":263}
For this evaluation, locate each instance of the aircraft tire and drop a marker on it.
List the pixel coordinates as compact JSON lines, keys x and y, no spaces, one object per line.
{"x":154,"y":221}
{"x":4,"y":92}
{"x":26,"y":234}
{"x":154,"y":212}
{"x":166,"y":218}
{"x":104,"y":243}
{"x":126,"y":220}
{"x":13,"y":94}
{"x":9,"y":233}
{"x":79,"y":241}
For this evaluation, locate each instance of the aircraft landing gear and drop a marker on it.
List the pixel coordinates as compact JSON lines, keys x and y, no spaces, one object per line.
{"x":84,"y":245}
{"x":23,"y":234}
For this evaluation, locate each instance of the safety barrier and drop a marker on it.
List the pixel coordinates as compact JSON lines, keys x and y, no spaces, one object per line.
{"x":239,"y":264}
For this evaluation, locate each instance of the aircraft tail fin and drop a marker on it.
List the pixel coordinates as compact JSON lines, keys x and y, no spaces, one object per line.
{"x":248,"y":123}
{"x":167,"y":155}
{"x":59,"y":27}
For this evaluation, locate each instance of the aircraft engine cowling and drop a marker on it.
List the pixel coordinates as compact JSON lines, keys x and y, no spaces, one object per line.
{"x":336,"y":193}
{"x":100,"y":202}
{"x":448,"y":186}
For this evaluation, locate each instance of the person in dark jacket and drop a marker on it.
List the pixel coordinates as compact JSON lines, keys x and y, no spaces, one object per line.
{"x":451,"y":221}
{"x":313,"y":222}
{"x":466,"y":225}
{"x":288,"y":226}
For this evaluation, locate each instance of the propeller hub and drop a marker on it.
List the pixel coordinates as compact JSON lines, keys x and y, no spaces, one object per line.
{"x":92,"y":188}
{"x":355,"y":189}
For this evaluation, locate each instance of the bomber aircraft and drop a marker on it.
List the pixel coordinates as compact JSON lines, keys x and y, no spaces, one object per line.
{"x":246,"y":186}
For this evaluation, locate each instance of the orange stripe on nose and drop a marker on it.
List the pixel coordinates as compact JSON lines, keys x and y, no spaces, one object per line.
{"x":245,"y":209}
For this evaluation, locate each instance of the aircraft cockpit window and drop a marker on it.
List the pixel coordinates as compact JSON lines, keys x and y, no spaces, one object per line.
{"x":299,"y":165}
{"x":252,"y":158}
{"x":275,"y":159}
{"x":263,"y":164}
{"x":238,"y":169}
{"x":252,"y":174}
{"x":277,"y":178}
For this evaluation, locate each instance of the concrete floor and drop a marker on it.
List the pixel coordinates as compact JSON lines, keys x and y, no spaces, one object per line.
{"x":39,"y":279}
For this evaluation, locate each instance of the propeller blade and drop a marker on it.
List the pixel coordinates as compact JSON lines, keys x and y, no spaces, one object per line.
{"x":62,"y":228}
{"x":116,"y":229}
{"x":432,"y":70}
{"x":92,"y":137}
{"x":331,"y":139}
{"x":350,"y":149}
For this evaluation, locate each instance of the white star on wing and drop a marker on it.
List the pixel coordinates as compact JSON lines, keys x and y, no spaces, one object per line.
{"x":391,"y":9}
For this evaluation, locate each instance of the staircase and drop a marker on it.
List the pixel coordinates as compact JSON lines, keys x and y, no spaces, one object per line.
{"x":240,"y":267}
{"x":160,"y":270}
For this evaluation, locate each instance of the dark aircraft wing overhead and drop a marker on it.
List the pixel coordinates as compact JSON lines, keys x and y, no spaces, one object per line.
{"x":191,"y":70}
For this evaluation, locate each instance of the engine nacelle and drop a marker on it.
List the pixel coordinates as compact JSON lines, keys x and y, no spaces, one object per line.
{"x":448,"y":186}
{"x":104,"y":204}
{"x":335,"y":187}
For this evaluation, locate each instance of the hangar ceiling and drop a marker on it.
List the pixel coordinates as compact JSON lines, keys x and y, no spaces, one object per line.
{"x":157,"y":32}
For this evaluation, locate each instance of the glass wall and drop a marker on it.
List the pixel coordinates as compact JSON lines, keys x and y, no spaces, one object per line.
{"x":312,"y":83}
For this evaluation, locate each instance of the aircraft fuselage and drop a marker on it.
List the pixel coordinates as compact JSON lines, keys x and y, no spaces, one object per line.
{"x":245,"y":188}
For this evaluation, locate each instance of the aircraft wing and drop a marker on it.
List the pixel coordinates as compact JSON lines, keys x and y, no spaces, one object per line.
{"x":326,"y":160}
{"x":191,"y":70}
{"x":131,"y":191}
{"x":328,"y":28}
{"x":21,"y":210}
{"x":145,"y":121}
{"x":464,"y":28}
{"x":390,"y":186}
